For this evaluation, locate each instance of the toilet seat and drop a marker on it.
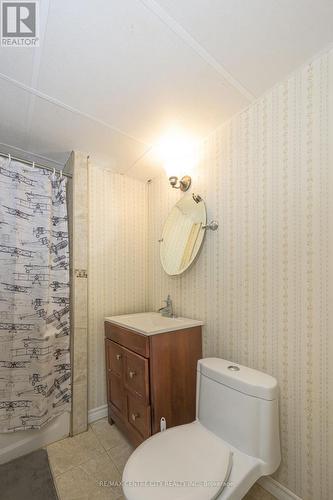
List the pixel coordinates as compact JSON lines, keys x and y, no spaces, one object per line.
{"x":193,"y":459}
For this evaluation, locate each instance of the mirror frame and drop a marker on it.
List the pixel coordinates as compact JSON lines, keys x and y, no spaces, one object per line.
{"x":196,"y":199}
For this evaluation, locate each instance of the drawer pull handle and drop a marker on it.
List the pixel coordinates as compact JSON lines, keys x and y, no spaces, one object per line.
{"x":118,"y":357}
{"x":135,"y":416}
{"x":132,"y":374}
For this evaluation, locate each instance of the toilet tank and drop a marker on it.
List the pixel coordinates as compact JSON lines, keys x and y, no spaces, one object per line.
{"x":240,"y":405}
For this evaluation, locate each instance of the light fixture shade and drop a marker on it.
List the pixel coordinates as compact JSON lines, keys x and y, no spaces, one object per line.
{"x":178,"y":153}
{"x":170,"y":169}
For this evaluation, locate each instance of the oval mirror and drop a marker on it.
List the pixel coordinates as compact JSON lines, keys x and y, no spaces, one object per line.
{"x":183,"y":234}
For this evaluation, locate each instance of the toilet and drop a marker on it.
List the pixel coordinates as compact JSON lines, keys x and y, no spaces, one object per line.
{"x":232,"y":443}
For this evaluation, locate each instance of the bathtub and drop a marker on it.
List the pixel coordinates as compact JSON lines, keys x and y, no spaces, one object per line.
{"x":16,"y":444}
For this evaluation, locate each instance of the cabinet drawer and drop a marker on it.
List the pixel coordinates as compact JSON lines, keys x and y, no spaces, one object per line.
{"x":127,"y":338}
{"x":138,"y":414}
{"x":136,"y":375}
{"x":115,"y":358}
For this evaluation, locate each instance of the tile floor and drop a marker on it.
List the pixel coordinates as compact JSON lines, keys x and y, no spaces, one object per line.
{"x":81,"y":464}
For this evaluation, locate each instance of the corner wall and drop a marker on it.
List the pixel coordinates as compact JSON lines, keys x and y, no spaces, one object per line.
{"x":77,"y":165}
{"x":261,"y":283}
{"x":117,"y":263}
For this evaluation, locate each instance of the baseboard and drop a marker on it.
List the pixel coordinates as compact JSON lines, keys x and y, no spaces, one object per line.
{"x":97,"y":413}
{"x":277,"y":489}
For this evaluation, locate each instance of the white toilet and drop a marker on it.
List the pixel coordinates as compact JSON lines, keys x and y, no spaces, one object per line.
{"x":233,"y":441}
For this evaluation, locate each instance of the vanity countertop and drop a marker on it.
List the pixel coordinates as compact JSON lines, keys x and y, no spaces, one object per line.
{"x":152,"y":323}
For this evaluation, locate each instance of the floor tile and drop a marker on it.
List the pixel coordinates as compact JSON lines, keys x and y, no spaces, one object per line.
{"x":73,"y":485}
{"x":120,"y":454}
{"x":73,"y":451}
{"x":108,"y":435}
{"x":104,"y":476}
{"x":91,"y":480}
{"x":101,"y":468}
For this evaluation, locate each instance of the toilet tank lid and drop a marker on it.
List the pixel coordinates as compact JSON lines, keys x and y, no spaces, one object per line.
{"x":241,"y":378}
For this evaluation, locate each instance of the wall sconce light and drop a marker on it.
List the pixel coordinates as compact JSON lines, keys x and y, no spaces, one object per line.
{"x":177,"y":151}
{"x":183,"y":184}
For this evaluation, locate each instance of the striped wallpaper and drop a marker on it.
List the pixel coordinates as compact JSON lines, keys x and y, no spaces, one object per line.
{"x":261,"y":283}
{"x":117,"y":262}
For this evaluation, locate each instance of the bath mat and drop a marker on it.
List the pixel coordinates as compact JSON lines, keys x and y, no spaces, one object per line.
{"x":27,"y":478}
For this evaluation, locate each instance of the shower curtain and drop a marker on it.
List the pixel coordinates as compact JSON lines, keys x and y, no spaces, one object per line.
{"x":35,"y":374}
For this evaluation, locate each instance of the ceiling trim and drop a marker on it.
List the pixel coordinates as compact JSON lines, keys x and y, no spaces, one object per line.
{"x":30,"y":155}
{"x":37,"y":56}
{"x":141,"y":157}
{"x":65,"y":106}
{"x":178,"y":29}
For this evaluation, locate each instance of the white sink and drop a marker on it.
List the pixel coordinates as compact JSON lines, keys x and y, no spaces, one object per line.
{"x":151,"y":323}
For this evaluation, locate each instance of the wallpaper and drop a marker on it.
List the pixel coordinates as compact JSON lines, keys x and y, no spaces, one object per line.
{"x":261,"y":283}
{"x":117,"y":262}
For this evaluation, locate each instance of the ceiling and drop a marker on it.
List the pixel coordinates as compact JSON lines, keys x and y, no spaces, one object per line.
{"x":110,"y":76}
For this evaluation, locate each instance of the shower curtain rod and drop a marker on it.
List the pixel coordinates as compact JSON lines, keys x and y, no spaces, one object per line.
{"x":37,"y":165}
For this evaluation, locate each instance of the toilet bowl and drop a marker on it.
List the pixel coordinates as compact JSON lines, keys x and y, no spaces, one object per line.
{"x":233,"y":441}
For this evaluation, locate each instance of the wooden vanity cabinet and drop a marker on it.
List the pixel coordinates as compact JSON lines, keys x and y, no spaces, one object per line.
{"x":150,"y":377}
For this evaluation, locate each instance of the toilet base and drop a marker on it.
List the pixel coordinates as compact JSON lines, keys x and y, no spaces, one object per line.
{"x":244,"y":473}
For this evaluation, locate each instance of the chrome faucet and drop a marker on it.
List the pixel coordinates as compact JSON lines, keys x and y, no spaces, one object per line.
{"x":167,"y":310}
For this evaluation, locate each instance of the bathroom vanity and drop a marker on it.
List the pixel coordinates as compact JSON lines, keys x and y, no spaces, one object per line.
{"x":151,"y":364}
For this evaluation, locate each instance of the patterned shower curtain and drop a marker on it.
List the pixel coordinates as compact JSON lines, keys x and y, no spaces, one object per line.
{"x":35,"y":372}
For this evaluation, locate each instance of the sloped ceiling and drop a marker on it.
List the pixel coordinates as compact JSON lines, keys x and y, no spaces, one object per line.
{"x":110,"y":76}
